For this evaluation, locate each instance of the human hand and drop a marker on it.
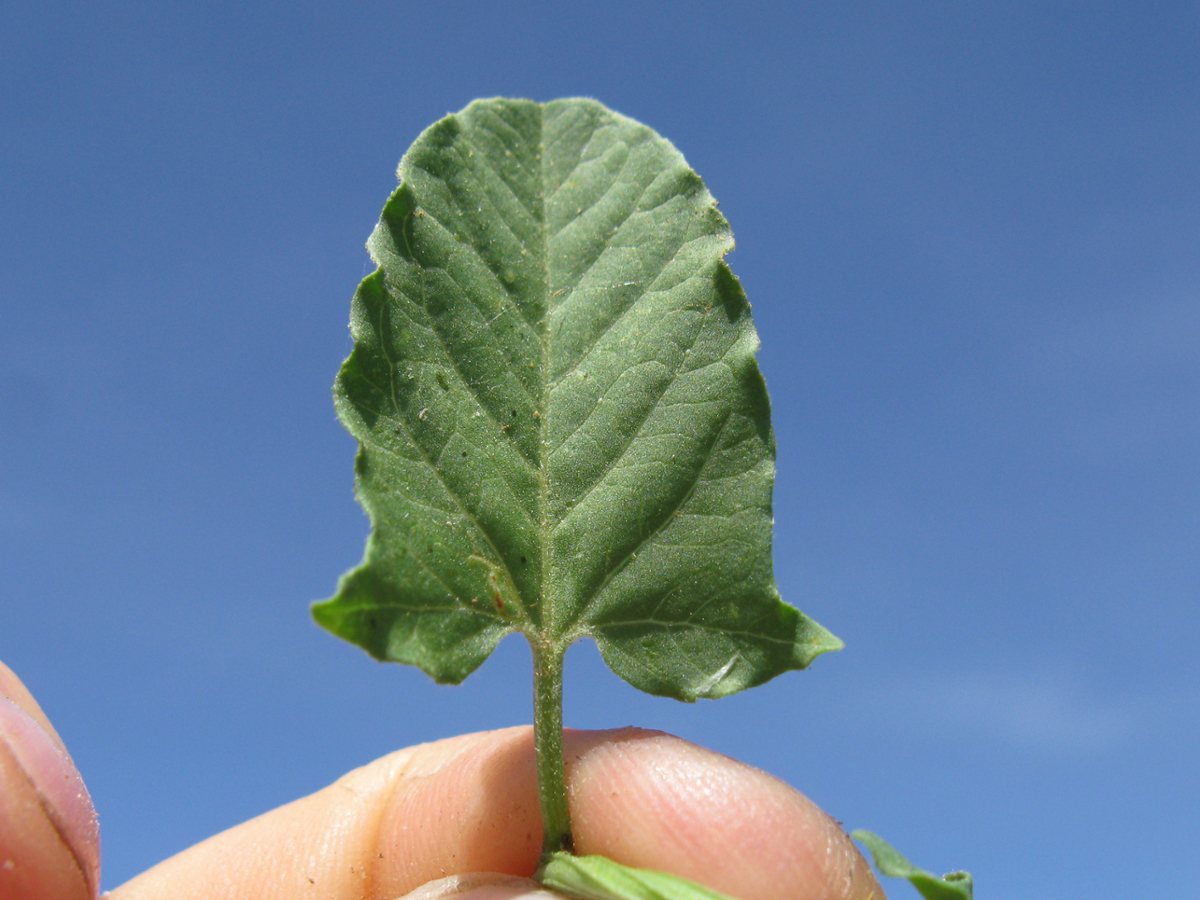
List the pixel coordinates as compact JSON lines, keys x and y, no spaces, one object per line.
{"x":461,"y":805}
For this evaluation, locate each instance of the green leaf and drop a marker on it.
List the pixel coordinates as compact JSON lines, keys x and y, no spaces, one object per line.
{"x":599,"y":878}
{"x":954,"y":886}
{"x":563,"y":430}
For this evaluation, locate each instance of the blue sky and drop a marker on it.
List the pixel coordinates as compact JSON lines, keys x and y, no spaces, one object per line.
{"x":969,"y":233}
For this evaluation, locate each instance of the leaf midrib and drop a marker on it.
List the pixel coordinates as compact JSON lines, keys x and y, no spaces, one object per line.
{"x":546,"y":582}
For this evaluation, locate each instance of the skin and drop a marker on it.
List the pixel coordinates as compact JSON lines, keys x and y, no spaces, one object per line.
{"x":412,"y":820}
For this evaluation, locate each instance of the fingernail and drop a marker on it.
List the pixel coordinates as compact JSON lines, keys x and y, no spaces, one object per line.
{"x":481,"y":886}
{"x":58,"y":785}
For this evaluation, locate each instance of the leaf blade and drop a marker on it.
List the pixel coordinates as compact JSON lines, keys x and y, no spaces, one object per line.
{"x":563,"y":429}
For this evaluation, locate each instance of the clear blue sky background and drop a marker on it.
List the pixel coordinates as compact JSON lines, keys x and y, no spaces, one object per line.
{"x":971,"y":235}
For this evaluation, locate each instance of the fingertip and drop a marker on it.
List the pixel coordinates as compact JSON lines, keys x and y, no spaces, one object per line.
{"x":466,"y":804}
{"x":49,"y":837}
{"x":652,"y":800}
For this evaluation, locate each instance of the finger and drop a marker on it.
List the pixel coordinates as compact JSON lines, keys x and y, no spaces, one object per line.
{"x":377,"y":832}
{"x":469,"y":804}
{"x":650,"y":800}
{"x":49,"y":840}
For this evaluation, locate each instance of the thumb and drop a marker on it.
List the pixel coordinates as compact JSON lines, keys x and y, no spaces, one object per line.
{"x":49,"y":840}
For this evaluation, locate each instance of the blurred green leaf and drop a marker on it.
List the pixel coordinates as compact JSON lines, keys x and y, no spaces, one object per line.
{"x":955,"y":886}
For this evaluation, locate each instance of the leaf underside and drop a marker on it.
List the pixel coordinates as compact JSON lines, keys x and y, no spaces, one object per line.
{"x":889,"y":861}
{"x":563,"y":429}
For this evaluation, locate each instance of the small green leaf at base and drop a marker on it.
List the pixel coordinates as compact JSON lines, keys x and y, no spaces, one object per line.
{"x":954,"y":886}
{"x":599,"y":878}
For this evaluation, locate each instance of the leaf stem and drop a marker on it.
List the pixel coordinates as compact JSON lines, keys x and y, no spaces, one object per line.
{"x":548,"y":749}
